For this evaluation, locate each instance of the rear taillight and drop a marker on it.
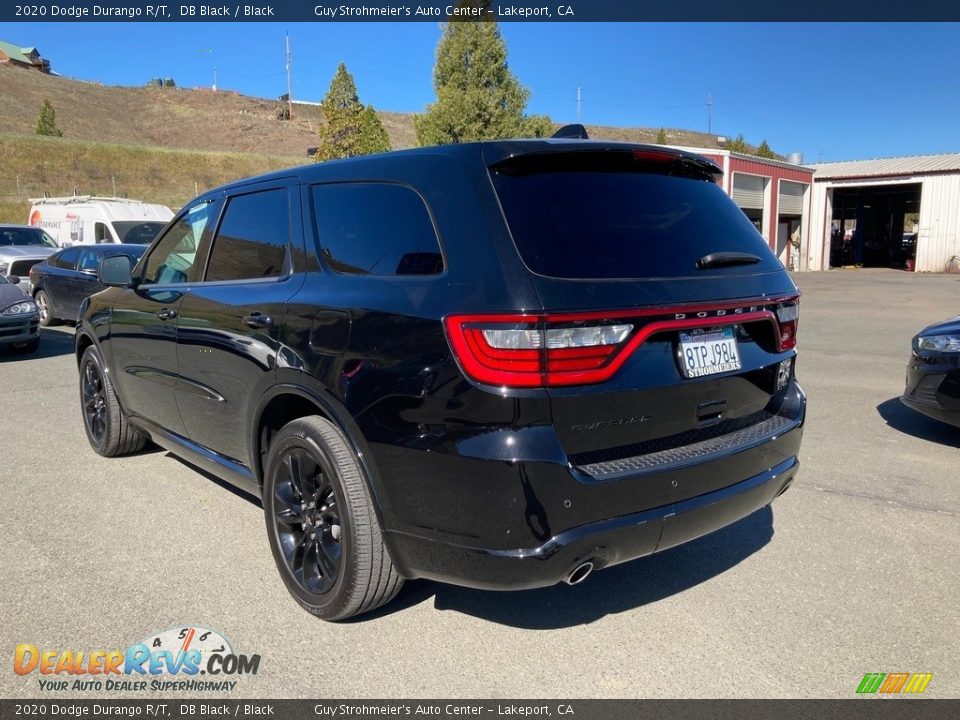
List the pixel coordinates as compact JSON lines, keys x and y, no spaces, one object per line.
{"x":527,"y":351}
{"x":788,"y":315}
{"x":532,"y":351}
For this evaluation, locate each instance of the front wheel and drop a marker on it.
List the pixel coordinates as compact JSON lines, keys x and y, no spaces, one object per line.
{"x":107,"y":429}
{"x":321,"y":524}
{"x":45,"y":308}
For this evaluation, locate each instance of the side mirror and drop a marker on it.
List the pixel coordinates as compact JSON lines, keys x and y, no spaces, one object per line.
{"x":13,"y":279}
{"x":116,"y":271}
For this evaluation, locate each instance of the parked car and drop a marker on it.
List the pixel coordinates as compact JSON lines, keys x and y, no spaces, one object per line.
{"x":89,"y":220}
{"x":19,"y":322}
{"x":64,"y":280}
{"x":500,"y":365}
{"x":22,"y":247}
{"x":933,"y":372}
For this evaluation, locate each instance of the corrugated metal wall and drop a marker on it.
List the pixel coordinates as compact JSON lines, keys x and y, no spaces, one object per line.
{"x":939,"y":231}
{"x":939,"y":226}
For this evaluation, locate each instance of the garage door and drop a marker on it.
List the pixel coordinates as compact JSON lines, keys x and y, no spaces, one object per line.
{"x":748,"y":191}
{"x":791,"y":198}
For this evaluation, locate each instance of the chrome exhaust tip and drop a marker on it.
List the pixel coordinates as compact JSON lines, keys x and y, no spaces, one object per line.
{"x":580,"y":573}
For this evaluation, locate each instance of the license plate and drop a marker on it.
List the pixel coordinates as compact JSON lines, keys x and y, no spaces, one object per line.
{"x":708,"y":351}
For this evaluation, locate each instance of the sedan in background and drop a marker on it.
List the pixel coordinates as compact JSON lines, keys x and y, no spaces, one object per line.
{"x":19,"y":326}
{"x":22,"y":247}
{"x":62,"y":282}
{"x":933,"y":373}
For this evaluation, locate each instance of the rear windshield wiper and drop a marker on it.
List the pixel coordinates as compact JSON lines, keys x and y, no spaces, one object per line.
{"x":720,"y":259}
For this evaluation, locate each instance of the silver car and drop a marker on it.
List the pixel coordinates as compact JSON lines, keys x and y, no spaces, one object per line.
{"x":22,"y":247}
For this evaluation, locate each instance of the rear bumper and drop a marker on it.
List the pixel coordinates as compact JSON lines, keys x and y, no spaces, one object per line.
{"x":604,"y":543}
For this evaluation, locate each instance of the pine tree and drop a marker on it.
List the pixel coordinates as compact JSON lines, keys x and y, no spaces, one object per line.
{"x":478,"y":97}
{"x":47,"y":121}
{"x":661,"y":137}
{"x":764,"y":151}
{"x":349,"y":127}
{"x":739,"y":145}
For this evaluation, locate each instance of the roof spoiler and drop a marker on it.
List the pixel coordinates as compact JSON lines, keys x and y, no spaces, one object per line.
{"x":572,"y":132}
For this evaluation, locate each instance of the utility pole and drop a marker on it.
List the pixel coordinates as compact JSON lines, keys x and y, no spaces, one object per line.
{"x":214,"y":78}
{"x":578,"y":103}
{"x":709,"y":113}
{"x":289,"y":64}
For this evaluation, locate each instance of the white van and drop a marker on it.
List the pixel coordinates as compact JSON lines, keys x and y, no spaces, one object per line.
{"x":88,"y":220}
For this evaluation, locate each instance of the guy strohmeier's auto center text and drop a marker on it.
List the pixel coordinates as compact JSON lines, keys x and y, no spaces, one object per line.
{"x":241,"y":10}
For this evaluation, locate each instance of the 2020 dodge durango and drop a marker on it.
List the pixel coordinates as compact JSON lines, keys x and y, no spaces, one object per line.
{"x":501,"y":365}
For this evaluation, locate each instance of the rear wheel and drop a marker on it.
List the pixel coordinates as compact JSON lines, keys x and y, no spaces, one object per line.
{"x":43,"y":305}
{"x":322,"y":527}
{"x":107,"y":429}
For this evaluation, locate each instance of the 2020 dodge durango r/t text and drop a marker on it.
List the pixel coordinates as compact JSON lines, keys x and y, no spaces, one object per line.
{"x":501,"y":365}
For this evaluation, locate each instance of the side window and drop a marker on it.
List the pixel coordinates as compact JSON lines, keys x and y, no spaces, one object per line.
{"x":174,"y":258}
{"x":67,"y":260}
{"x":102,"y":233}
{"x":252,"y":240}
{"x":375,"y":229}
{"x":89,"y":260}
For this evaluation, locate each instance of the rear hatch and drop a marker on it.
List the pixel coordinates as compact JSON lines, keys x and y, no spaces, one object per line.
{"x":665,"y":315}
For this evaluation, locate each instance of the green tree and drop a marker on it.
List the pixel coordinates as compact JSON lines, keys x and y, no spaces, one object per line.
{"x":373,"y":136}
{"x":661,"y":137}
{"x":350,"y":128}
{"x":47,"y":121}
{"x":764,"y":151}
{"x":738,"y":145}
{"x":478,"y":97}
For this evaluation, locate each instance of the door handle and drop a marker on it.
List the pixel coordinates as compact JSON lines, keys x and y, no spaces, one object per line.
{"x":258,"y":320}
{"x":167,"y":314}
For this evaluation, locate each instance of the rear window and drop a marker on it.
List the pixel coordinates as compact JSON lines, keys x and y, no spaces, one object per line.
{"x":612,"y":216}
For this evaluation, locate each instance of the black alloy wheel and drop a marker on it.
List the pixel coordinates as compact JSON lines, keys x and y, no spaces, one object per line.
{"x":94,"y":398}
{"x":323,"y":529}
{"x":307,"y":518}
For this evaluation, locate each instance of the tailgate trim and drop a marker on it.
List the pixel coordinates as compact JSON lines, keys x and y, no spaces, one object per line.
{"x":686,"y":455}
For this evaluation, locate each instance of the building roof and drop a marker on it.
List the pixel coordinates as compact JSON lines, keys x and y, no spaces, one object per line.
{"x":15,"y":52}
{"x":721,"y":152}
{"x":880,"y":167}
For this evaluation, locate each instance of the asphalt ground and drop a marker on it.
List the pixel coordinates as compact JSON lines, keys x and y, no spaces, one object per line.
{"x":853,"y":570}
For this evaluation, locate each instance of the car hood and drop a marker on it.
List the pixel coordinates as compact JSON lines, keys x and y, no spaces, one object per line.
{"x":25,"y":252}
{"x":10,"y":294}
{"x":947,"y":327}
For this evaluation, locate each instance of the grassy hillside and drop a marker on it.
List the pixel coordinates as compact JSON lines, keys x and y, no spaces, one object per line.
{"x":31,"y":165}
{"x":166,"y":144}
{"x":205,"y":120}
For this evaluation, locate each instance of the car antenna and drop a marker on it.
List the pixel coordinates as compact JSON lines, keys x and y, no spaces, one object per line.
{"x":575,"y":131}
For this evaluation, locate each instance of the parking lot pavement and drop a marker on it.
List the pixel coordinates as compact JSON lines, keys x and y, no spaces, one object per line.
{"x":851,"y":571}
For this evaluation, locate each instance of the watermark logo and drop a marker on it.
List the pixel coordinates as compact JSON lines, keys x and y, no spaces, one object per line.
{"x":894,"y":683}
{"x":167,"y":660}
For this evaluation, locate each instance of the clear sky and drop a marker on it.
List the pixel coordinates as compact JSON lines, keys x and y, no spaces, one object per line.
{"x":831,"y":91}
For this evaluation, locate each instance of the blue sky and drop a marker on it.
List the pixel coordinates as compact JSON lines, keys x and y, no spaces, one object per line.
{"x":832,"y":91}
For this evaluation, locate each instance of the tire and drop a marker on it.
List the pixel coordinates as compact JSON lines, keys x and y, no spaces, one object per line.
{"x":28,"y":347}
{"x":107,"y":429}
{"x":46,"y":309}
{"x":321,"y":524}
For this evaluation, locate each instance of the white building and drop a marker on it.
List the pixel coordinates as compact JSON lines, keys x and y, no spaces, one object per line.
{"x":890,"y":212}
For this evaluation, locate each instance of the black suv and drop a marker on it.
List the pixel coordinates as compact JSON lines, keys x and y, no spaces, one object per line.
{"x":500,"y":364}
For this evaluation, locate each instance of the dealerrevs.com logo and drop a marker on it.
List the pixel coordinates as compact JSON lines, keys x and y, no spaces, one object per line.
{"x":189,"y":658}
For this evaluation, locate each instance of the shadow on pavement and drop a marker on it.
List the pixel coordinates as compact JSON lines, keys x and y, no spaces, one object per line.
{"x":908,"y":421}
{"x":52,"y":344}
{"x":613,"y":590}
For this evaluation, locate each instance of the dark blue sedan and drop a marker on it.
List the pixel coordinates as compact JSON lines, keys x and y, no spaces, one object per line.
{"x":65,"y":279}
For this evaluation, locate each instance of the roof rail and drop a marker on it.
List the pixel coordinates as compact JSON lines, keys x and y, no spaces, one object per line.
{"x":575,"y":131}
{"x":79,"y":198}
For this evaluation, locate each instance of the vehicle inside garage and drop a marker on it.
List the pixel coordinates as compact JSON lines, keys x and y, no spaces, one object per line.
{"x":874,"y":226}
